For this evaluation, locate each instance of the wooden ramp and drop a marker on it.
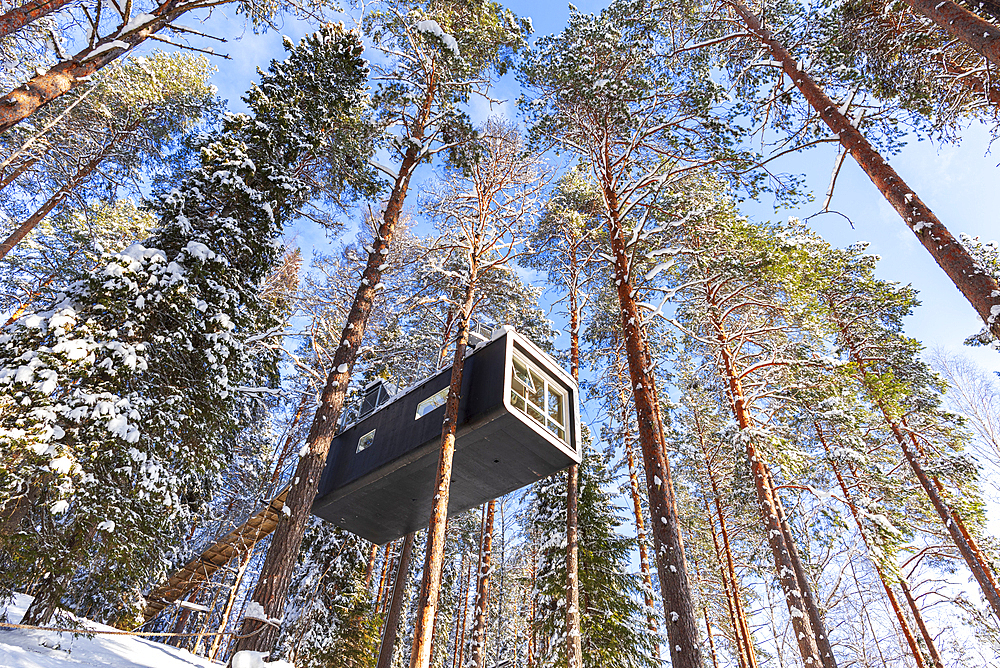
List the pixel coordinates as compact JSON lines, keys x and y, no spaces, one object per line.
{"x":201,"y":568}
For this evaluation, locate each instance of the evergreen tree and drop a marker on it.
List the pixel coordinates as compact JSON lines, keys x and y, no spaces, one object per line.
{"x":612,"y":622}
{"x":103,"y":144}
{"x":332,"y":622}
{"x":123,"y":396}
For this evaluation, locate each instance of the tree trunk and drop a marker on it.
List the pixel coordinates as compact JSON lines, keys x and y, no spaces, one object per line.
{"x":50,"y":84}
{"x":464,"y":584}
{"x":890,"y":594}
{"x":981,"y":36}
{"x":574,"y":639}
{"x":481,"y":609}
{"x":388,"y":563}
{"x":919,"y":617}
{"x":952,"y":520}
{"x":640,"y":533}
{"x":27,"y":13}
{"x":430,"y":586}
{"x":370,"y":569}
{"x":276,"y":573}
{"x":741,"y":627}
{"x":681,"y":620}
{"x":808,"y":599}
{"x":12,"y":514}
{"x":973,"y":282}
{"x":798,"y":598}
{"x":531,"y":606}
{"x":39,"y":215}
{"x":391,"y":626}
{"x":228,"y":610}
{"x":50,"y":591}
{"x":16,"y":172}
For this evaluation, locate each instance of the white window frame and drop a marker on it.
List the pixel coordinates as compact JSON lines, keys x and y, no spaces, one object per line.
{"x":547,"y":381}
{"x":436,"y":400}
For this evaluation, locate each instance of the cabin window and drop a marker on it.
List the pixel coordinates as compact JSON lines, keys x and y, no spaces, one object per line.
{"x":365,"y":441}
{"x":532,"y":393}
{"x":436,"y":400}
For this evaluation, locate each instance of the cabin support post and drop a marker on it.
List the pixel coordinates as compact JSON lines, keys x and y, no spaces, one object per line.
{"x":392,"y":619}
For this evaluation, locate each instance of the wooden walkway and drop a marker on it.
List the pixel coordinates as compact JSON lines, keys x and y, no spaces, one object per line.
{"x":201,"y":568}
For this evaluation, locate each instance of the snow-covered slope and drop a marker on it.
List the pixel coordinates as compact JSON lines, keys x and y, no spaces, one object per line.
{"x":20,"y":648}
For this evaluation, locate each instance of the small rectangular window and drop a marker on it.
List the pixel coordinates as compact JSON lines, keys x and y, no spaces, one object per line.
{"x":436,"y":400}
{"x":365,"y":441}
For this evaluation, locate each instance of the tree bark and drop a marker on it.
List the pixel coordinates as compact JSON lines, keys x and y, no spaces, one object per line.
{"x":481,"y":608}
{"x":391,"y":626}
{"x":465,"y":582}
{"x":574,"y":639}
{"x":39,"y":215}
{"x":276,"y":573}
{"x":16,"y":172}
{"x":797,"y":593}
{"x":978,"y":287}
{"x":27,"y":13}
{"x":14,"y":512}
{"x":904,"y":625}
{"x":430,"y":586}
{"x":919,"y":617}
{"x":981,"y":36}
{"x":640,"y":532}
{"x":31,"y":96}
{"x":952,"y":520}
{"x":370,"y":569}
{"x":675,"y":589}
{"x":741,"y":628}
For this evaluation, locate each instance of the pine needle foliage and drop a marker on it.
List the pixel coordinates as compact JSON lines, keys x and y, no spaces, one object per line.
{"x":124,"y":395}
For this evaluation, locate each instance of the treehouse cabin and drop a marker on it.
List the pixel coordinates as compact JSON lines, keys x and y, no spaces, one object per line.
{"x":518,"y":422}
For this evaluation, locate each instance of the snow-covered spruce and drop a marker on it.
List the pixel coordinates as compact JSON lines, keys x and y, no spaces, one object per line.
{"x":119,"y":400}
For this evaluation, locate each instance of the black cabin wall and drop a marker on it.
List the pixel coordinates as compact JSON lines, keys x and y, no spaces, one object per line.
{"x":396,"y":430}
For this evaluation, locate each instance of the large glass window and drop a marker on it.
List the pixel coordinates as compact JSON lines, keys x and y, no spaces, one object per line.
{"x":436,"y":400}
{"x":532,"y":393}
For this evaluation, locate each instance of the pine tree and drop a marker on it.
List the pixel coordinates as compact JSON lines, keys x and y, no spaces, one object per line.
{"x":425,"y":79}
{"x":123,"y":395}
{"x":612,"y":625}
{"x":100,"y":148}
{"x":334,"y":622}
{"x":603,"y":90}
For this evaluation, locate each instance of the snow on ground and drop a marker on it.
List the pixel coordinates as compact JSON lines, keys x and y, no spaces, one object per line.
{"x":22,"y":648}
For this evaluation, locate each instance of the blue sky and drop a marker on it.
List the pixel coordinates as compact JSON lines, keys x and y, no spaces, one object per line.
{"x":958,"y":182}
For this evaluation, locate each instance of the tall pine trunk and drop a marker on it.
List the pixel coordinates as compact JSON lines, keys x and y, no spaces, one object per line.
{"x":574,"y":639}
{"x":430,"y":585}
{"x":809,"y":630}
{"x":276,"y":573}
{"x":465,"y":583}
{"x":973,"y":282}
{"x":727,"y":566}
{"x":897,"y":610}
{"x":51,"y":203}
{"x":671,"y":566}
{"x":967,"y":545}
{"x":391,"y":626}
{"x":481,"y":608}
{"x":919,"y":618}
{"x":30,"y":11}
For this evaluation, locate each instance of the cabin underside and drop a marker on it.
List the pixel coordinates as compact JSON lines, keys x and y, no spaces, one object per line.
{"x":494,"y":456}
